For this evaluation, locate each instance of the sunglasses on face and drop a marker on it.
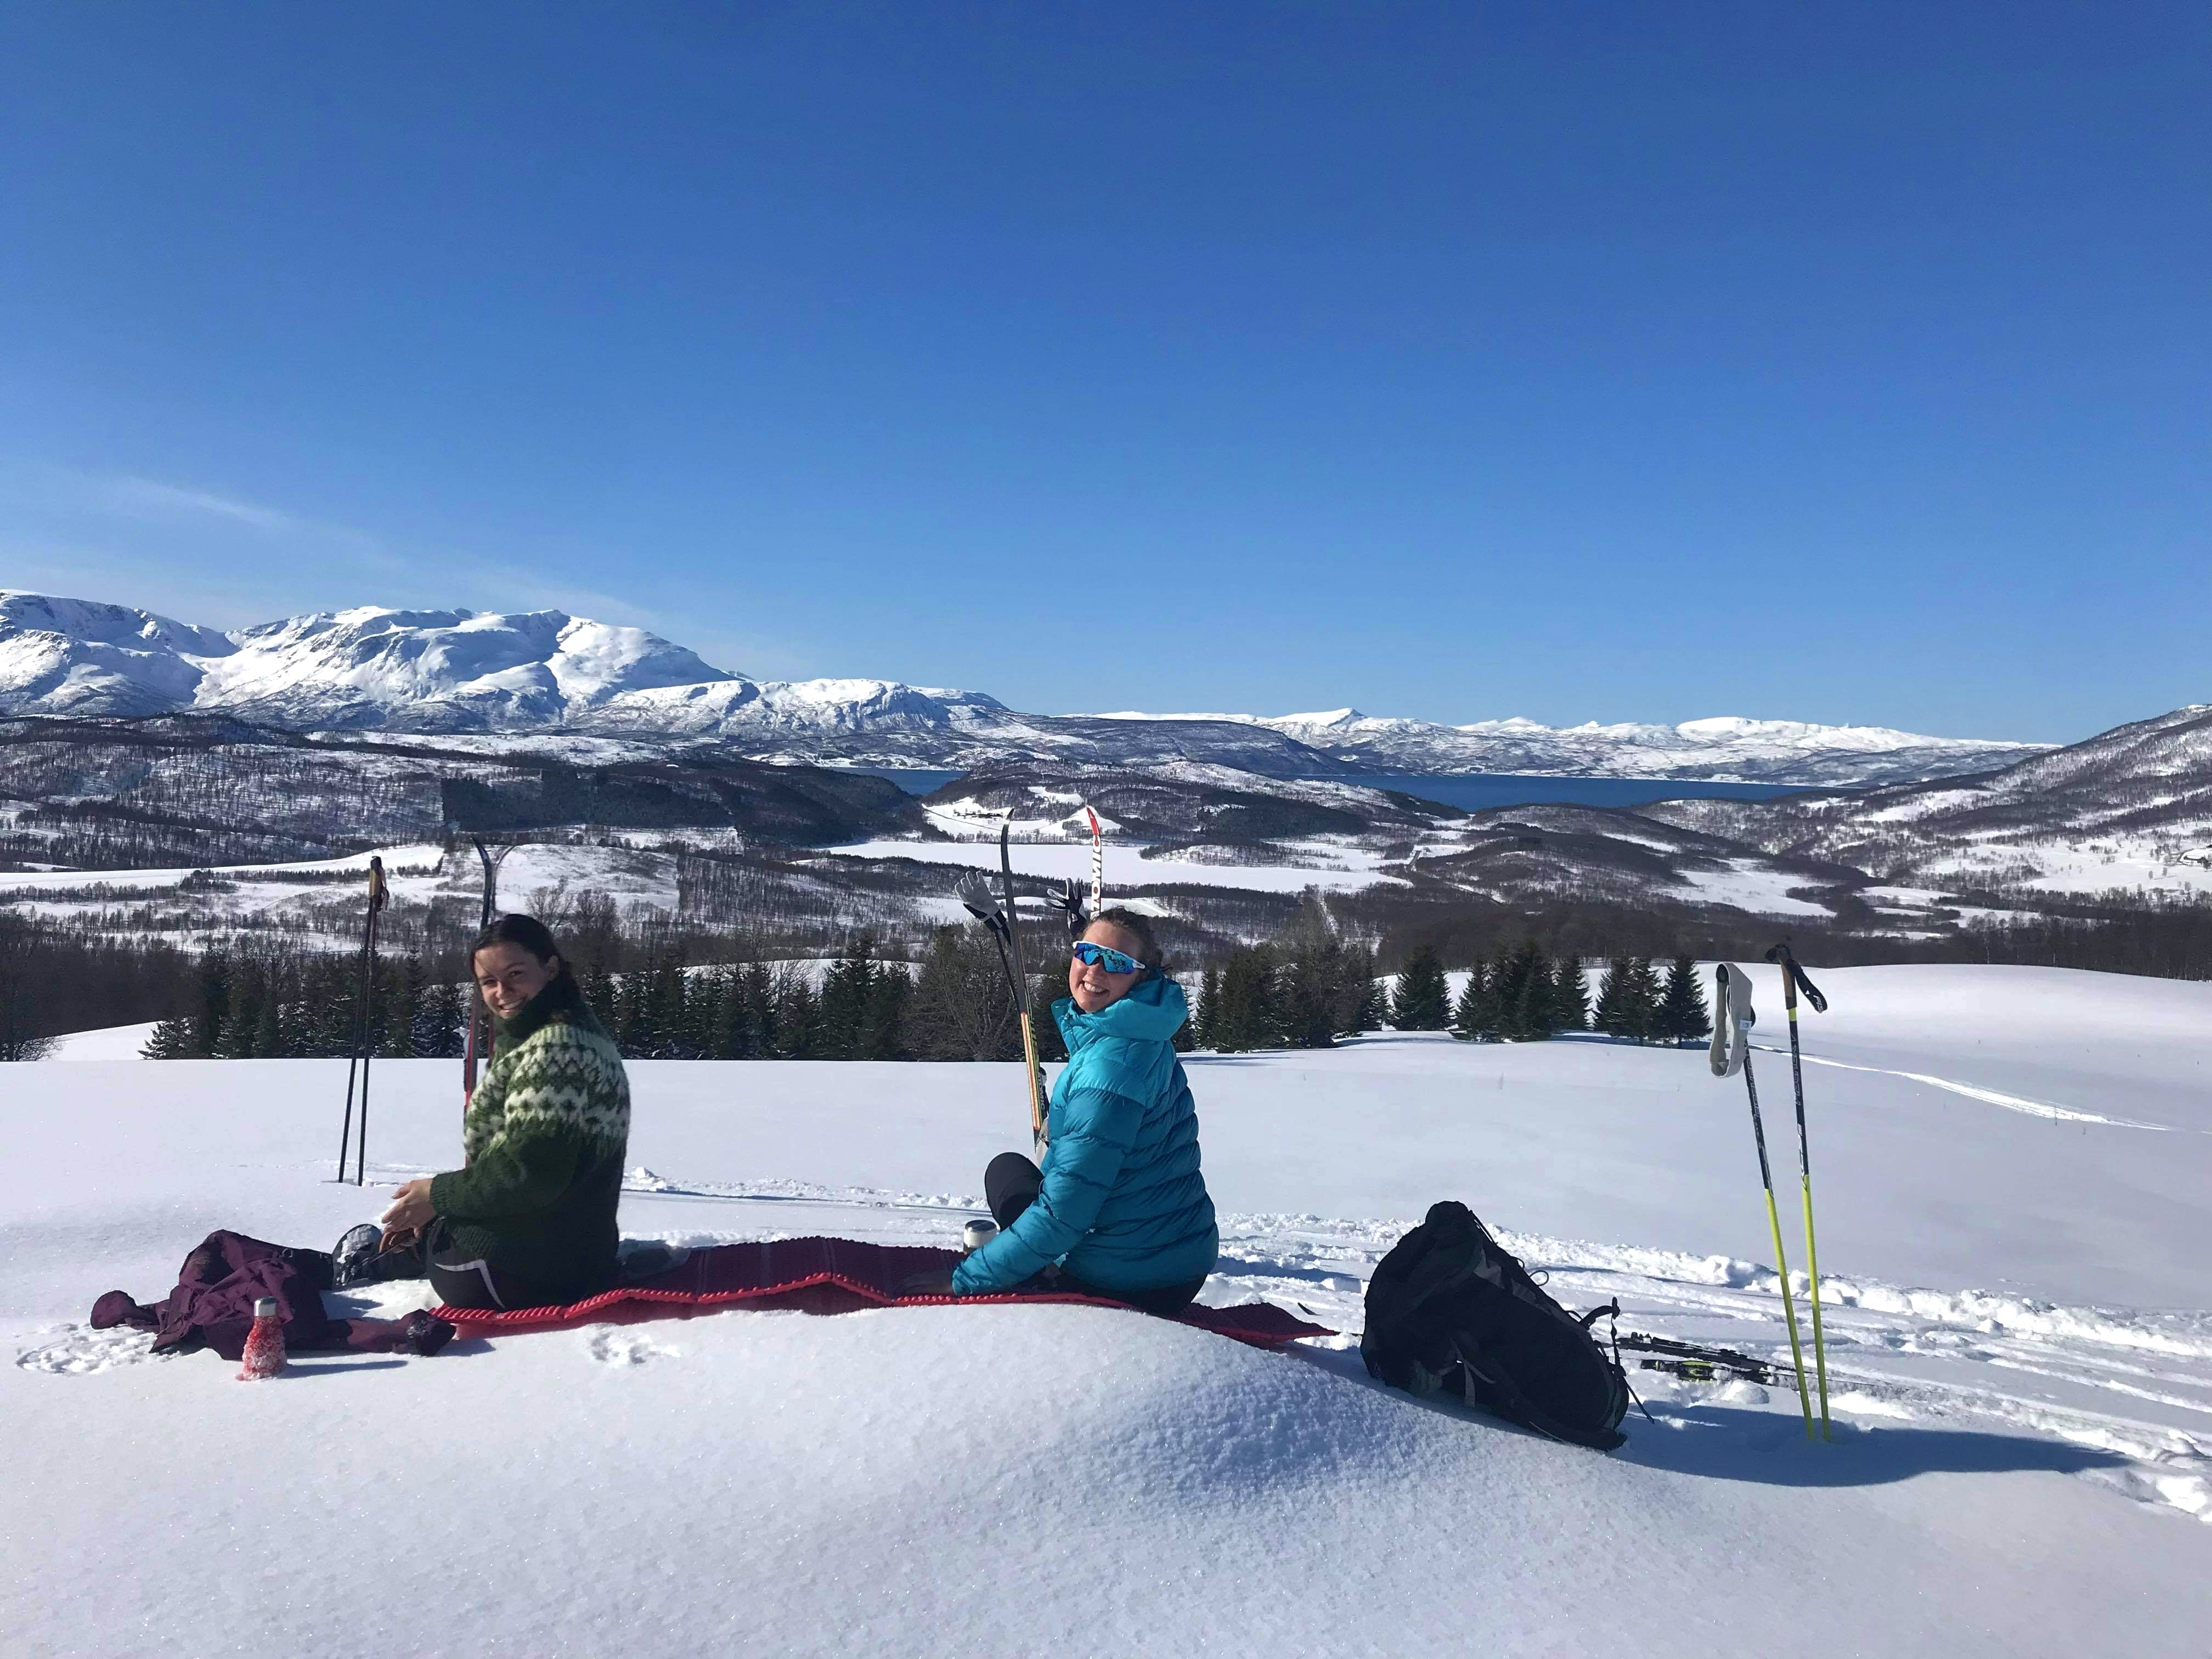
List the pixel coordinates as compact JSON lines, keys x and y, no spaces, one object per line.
{"x":1105,"y":957}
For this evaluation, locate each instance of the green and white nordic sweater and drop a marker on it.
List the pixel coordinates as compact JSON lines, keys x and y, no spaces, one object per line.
{"x":543,"y":1143}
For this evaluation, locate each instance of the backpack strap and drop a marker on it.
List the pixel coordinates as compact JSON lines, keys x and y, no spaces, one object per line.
{"x":1517,"y":1405}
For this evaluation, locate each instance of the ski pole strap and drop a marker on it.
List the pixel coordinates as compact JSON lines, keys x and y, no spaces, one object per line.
{"x":1610,"y":1310}
{"x":1733,"y":1020}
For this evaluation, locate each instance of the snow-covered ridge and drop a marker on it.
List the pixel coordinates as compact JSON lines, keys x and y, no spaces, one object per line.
{"x":423,"y":670}
{"x":1722,"y":747}
{"x":2130,"y":808}
{"x":373,"y":668}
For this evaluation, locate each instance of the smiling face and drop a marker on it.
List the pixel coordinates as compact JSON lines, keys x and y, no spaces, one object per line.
{"x":1093,"y":988}
{"x":509,"y":976}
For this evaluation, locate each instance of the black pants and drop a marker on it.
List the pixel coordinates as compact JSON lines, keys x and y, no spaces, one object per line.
{"x":1011,"y":1185}
{"x":463,"y":1280}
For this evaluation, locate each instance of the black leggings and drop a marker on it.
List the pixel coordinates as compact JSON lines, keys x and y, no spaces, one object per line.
{"x":465,"y":1280}
{"x":1011,"y":1185}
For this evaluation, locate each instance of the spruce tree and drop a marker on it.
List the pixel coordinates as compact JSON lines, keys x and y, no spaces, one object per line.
{"x":268,"y":1017}
{"x":214,"y":1010}
{"x":438,"y":1021}
{"x":1204,"y":1024}
{"x":846,"y":990}
{"x":732,"y":1035}
{"x":844,"y":1001}
{"x":1570,"y":995}
{"x":1312,"y":986}
{"x":763,"y":1009}
{"x":405,"y":989}
{"x":797,"y":1017}
{"x":701,"y":1011}
{"x":1475,"y":1015}
{"x":668,"y":1011}
{"x":632,"y":1025}
{"x":1508,"y":976}
{"x":1370,"y":1002}
{"x":1610,"y":1015}
{"x":1642,"y":1008}
{"x":883,"y":1028}
{"x":593,"y":981}
{"x":1421,"y":1000}
{"x":1683,"y":1017}
{"x":241,"y":1021}
{"x":171,"y":1039}
{"x":961,"y":1008}
{"x":1251,"y":1016}
{"x":1535,"y":1011}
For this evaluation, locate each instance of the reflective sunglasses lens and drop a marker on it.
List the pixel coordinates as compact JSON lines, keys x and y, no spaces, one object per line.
{"x":1104,"y":956}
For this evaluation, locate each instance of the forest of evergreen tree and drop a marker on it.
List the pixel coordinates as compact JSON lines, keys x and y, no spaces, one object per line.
{"x":1309,"y":989}
{"x":668,"y":988}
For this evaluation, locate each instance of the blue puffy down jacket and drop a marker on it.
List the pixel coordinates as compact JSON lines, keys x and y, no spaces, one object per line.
{"x":1123,"y":1205}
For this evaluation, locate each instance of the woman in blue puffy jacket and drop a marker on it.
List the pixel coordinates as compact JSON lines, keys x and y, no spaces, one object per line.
{"x":1119,"y":1209}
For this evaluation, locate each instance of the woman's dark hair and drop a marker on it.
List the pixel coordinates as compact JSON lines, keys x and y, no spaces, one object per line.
{"x":1134,"y":922}
{"x":531,"y":934}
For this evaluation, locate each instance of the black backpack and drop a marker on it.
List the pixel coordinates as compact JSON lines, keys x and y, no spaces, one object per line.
{"x":1449,"y":1312}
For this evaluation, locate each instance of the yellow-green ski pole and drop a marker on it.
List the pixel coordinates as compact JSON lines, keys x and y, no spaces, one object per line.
{"x":1781,"y":1266}
{"x":1732,"y":1023}
{"x":1792,"y":977}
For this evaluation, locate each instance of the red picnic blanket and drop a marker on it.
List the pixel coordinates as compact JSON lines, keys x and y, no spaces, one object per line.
{"x":826,"y":1275}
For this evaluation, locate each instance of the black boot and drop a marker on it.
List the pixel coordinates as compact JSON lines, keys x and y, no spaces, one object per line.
{"x":357,"y":1259}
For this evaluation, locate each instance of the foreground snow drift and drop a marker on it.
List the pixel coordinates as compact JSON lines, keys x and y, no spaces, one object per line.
{"x":2021,"y":1419}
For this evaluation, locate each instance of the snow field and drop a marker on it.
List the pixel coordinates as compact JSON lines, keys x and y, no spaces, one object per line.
{"x":2020,"y":1362}
{"x":1334,"y":867}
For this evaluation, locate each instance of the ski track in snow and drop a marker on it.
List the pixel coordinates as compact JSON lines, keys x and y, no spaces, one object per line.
{"x":1991,"y":1097}
{"x":2136,"y":1383}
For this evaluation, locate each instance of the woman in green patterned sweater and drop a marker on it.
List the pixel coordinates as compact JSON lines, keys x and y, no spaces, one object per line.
{"x":529,"y":1219}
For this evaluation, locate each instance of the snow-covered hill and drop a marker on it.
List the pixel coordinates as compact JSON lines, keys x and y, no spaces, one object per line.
{"x":1729,"y":747}
{"x":423,"y":670}
{"x":451,"y":671}
{"x":2128,"y":809}
{"x":2013,"y":1173}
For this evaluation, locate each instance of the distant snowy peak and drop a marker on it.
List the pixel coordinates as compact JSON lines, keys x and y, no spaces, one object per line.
{"x":78,"y":657}
{"x":451,"y":672}
{"x":453,"y":669}
{"x":437,"y":670}
{"x":1726,"y":747}
{"x":446,"y":672}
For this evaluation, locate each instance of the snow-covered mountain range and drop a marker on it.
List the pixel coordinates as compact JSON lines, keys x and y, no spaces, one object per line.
{"x":457,"y":671}
{"x":1730,"y":747}
{"x":2127,"y":810}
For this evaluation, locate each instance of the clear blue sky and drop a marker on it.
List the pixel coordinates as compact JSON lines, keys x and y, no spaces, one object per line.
{"x":1840,"y":362}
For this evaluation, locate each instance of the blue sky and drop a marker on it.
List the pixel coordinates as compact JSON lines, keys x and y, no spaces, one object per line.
{"x":1845,"y":363}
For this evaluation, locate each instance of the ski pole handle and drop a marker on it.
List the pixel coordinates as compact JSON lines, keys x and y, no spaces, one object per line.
{"x":1794,"y":979}
{"x":1812,"y":991}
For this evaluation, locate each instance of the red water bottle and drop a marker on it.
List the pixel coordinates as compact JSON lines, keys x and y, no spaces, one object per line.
{"x":265,"y":1343}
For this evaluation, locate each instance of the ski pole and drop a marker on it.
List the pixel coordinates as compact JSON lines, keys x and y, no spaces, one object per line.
{"x":1794,"y":976}
{"x":1098,"y":863}
{"x":356,"y":1051}
{"x":368,"y":1017}
{"x":473,"y":997}
{"x":1030,"y":1074}
{"x":982,"y":904}
{"x":1736,"y":1018}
